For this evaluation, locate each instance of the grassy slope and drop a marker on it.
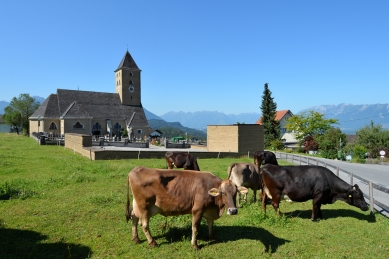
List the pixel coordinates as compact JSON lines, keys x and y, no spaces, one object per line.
{"x":65,"y":206}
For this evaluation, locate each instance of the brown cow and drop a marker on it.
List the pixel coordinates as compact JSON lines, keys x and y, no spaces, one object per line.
{"x":177,"y":192}
{"x":305,"y":182}
{"x":265,"y":157}
{"x":247,"y":175}
{"x":181,"y":160}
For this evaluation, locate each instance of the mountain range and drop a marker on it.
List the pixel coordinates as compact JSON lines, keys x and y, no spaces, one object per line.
{"x":351,"y":117}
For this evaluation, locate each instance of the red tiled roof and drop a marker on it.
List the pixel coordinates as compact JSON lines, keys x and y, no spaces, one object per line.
{"x":279,"y":116}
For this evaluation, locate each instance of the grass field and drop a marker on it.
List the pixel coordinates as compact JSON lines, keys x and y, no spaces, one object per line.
{"x":57,"y":204}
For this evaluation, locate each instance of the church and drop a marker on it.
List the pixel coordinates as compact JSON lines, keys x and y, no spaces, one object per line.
{"x":96,"y":113}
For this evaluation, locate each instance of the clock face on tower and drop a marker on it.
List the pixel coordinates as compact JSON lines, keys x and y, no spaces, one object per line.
{"x":131,"y":89}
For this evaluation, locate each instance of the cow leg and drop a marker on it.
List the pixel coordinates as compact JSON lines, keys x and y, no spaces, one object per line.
{"x":276,"y":204}
{"x":210,"y":229}
{"x":255,"y":195}
{"x":146,"y":230}
{"x":264,"y":200}
{"x":135,"y":221}
{"x":196,"y":220}
{"x":316,"y":211}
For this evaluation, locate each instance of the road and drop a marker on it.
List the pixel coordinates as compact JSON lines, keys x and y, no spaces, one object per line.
{"x":377,"y":174}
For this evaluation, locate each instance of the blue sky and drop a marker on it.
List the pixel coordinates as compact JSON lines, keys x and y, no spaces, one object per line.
{"x":201,"y":55}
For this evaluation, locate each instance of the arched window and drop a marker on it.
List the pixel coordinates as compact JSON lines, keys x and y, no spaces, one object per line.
{"x":96,"y":129}
{"x":117,"y":127}
{"x":131,"y":74}
{"x":53,"y":126}
{"x":78,"y":125}
{"x":131,"y":83}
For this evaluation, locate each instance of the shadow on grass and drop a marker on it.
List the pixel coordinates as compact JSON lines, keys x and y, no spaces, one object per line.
{"x":333,"y":213}
{"x":15,"y":243}
{"x":226,"y":234}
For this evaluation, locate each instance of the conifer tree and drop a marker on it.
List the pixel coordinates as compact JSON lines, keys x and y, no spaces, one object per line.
{"x":271,"y":127}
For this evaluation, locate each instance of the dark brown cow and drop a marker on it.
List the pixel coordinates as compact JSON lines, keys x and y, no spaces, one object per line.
{"x":181,"y":160}
{"x":247,"y":175}
{"x":265,"y":157}
{"x":305,"y":182}
{"x":177,"y":192}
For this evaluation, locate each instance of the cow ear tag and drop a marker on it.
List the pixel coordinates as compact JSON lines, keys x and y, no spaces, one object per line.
{"x":350,"y":196}
{"x":214,"y":192}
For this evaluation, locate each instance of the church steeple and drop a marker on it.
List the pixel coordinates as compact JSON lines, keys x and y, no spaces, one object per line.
{"x":128,"y":85}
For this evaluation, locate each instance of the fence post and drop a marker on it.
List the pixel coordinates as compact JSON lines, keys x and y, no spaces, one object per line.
{"x":308,"y":160}
{"x":300,"y":159}
{"x":317,"y":161}
{"x":337,"y":171}
{"x":371,"y":198}
{"x":325,"y":164}
{"x":351,"y":178}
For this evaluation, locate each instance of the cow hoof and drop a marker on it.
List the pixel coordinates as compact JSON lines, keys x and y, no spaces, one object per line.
{"x":153,"y":244}
{"x":136,"y":240}
{"x":196,"y":247}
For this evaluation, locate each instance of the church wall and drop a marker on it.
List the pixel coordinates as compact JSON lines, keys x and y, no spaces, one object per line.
{"x":68,"y":126}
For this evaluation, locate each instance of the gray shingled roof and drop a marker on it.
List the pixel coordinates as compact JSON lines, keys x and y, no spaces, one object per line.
{"x":128,"y":62}
{"x":86,"y":104}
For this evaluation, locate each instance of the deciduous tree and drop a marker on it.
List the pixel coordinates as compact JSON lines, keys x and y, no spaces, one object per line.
{"x":311,"y":124}
{"x":19,"y":110}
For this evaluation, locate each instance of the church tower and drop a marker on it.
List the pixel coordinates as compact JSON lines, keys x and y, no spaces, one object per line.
{"x":127,"y":77}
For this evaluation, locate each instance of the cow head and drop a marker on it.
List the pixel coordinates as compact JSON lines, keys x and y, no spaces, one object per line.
{"x":228,"y":191}
{"x":355,"y":198}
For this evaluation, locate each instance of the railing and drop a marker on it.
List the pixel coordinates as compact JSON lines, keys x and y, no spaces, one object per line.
{"x":306,"y":160}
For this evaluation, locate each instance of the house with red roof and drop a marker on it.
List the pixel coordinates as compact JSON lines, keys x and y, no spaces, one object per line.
{"x":287,"y":137}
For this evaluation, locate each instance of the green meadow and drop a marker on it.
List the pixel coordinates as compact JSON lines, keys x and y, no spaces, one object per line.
{"x":57,"y":204}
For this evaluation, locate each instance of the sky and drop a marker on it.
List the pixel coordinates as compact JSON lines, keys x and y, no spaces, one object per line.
{"x":201,"y":55}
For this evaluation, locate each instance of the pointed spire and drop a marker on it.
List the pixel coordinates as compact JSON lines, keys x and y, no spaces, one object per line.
{"x":127,"y":62}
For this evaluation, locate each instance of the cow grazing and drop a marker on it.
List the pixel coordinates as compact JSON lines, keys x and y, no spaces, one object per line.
{"x":265,"y":157}
{"x":247,"y":175}
{"x":177,"y":192}
{"x":181,"y":160}
{"x":302,"y":183}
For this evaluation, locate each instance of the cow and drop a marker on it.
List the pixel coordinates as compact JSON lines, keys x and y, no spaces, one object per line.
{"x":181,"y":160}
{"x":305,"y":182}
{"x":265,"y":157}
{"x":247,"y":175}
{"x":177,"y":192}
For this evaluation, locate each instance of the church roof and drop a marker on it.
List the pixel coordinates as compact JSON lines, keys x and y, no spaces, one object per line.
{"x":128,"y":62}
{"x":71,"y":104}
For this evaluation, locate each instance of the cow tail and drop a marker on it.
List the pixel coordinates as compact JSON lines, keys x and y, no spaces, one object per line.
{"x":229,"y":170}
{"x":128,"y":204}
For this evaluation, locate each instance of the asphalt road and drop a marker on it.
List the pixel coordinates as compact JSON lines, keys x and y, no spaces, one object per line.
{"x":377,"y":174}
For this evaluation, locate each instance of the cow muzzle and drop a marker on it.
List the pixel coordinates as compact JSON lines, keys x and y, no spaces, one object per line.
{"x":232,"y":211}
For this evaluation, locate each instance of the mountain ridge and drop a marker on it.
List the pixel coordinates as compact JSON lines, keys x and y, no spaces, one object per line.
{"x":351,"y":117}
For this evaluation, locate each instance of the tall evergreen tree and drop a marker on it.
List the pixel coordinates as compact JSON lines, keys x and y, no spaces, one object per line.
{"x":271,"y":127}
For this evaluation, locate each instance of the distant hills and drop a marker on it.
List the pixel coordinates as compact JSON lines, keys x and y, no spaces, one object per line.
{"x":351,"y":117}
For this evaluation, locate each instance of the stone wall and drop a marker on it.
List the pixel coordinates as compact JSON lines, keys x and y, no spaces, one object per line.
{"x":78,"y":142}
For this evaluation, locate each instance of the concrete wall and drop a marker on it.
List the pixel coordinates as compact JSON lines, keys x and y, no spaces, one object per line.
{"x":239,"y":138}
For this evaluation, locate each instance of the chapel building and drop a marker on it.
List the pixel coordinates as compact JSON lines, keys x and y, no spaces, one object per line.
{"x":96,"y":113}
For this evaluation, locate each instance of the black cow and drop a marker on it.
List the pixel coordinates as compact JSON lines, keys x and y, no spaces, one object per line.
{"x":181,"y":160}
{"x":305,"y":182}
{"x":265,"y":157}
